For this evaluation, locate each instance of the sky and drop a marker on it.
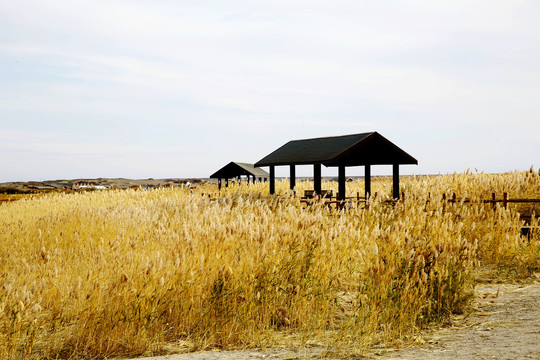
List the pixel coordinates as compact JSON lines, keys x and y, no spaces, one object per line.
{"x":177,"y":89}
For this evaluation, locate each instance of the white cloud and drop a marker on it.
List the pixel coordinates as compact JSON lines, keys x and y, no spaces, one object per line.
{"x":231,"y":80}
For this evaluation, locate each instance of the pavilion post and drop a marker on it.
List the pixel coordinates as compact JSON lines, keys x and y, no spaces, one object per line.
{"x":341,"y":182}
{"x":395,"y":175}
{"x":367,"y":181}
{"x":317,"y":187}
{"x":219,"y":184}
{"x":272,"y":179}
{"x":293,"y":177}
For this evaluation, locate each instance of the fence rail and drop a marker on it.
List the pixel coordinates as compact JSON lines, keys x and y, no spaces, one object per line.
{"x":452,"y":199}
{"x":505,"y":200}
{"x":8,"y":200}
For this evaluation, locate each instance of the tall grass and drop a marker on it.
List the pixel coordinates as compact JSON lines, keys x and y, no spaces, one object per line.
{"x":99,"y":274}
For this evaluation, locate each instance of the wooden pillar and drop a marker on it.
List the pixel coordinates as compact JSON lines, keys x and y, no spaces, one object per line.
{"x":219,"y":184}
{"x":293,"y":177}
{"x":317,"y":178}
{"x":395,"y":176}
{"x":367,"y":181}
{"x":272,"y":179}
{"x":341,"y":182}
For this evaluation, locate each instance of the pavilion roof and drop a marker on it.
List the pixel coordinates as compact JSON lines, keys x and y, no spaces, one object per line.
{"x":369,"y":148}
{"x":234,"y":169}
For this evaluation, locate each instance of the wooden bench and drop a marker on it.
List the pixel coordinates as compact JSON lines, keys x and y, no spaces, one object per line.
{"x":308,"y":194}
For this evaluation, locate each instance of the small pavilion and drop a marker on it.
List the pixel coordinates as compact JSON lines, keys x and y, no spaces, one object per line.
{"x":365,"y":149}
{"x":237,"y":170}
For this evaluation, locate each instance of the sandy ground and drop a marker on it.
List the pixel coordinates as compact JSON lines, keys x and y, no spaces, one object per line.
{"x":504,"y":324}
{"x":121,"y":183}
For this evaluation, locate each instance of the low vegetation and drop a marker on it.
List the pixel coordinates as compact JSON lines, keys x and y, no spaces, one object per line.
{"x":125,"y":272}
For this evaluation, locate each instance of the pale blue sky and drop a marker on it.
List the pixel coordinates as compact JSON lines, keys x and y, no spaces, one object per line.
{"x":138,"y":89}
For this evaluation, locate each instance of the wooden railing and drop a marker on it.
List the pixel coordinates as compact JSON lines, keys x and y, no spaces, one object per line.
{"x":504,"y":201}
{"x":9,"y":200}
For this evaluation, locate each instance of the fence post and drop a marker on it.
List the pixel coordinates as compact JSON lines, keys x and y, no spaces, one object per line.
{"x":505,"y":200}
{"x":493,"y":200}
{"x":444,"y":202}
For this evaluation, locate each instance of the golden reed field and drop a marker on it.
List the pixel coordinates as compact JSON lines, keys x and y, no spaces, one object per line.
{"x":126,"y":272}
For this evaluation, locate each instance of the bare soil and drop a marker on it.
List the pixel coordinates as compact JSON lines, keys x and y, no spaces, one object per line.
{"x":504,"y":324}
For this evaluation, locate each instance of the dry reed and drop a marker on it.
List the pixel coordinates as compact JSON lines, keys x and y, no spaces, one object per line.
{"x":102,"y":274}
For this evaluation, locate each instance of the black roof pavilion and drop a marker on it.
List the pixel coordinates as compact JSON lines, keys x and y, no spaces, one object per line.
{"x":238,"y":169}
{"x":363,"y":149}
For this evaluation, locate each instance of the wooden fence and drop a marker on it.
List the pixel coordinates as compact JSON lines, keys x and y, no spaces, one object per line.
{"x":526,"y":229}
{"x":504,"y":201}
{"x":8,"y":200}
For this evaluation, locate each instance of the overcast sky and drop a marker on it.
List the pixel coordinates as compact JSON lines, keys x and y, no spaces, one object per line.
{"x":171,"y":88}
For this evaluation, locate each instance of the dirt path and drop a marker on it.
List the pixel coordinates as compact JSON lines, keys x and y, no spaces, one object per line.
{"x":505,"y":324}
